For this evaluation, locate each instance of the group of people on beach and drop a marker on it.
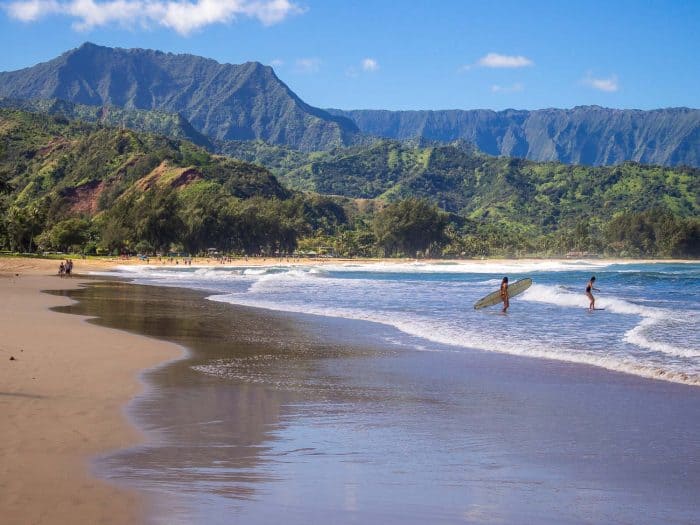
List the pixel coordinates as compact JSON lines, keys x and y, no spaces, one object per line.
{"x":65,"y":268}
{"x":505,"y":297}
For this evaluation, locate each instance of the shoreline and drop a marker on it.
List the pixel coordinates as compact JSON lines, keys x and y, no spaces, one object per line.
{"x":49,"y":266}
{"x":274,"y":412}
{"x":63,"y":400}
{"x":51,"y":456}
{"x":506,"y":266}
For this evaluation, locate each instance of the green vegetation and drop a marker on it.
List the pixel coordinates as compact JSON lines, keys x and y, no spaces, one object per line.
{"x":411,"y":226}
{"x":74,"y":186}
{"x":503,"y":206}
{"x":69,"y":185}
{"x":171,"y":125}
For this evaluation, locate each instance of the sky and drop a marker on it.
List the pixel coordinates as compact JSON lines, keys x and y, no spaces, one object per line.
{"x":398,"y":55}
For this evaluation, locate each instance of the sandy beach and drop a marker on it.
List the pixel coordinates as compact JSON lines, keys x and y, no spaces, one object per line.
{"x":61,"y":400}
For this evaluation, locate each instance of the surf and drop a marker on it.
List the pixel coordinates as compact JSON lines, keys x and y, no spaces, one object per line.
{"x":430,"y":308}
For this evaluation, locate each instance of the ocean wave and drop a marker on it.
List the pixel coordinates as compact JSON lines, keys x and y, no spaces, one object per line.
{"x":445,"y":334}
{"x":431,"y":309}
{"x":637,"y":336}
{"x":470,"y":267}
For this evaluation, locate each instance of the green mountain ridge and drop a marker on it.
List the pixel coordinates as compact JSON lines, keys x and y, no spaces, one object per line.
{"x":479,"y":186}
{"x":72,"y":183}
{"x":159,"y":122}
{"x":222,"y":101}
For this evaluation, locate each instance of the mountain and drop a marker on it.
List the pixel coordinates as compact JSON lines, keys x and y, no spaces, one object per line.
{"x":248,"y":102}
{"x":485,"y":188}
{"x":222,"y":101}
{"x":83,"y":168}
{"x":589,"y":135}
{"x":73,"y":185}
{"x":68,"y":184}
{"x":169,"y":124}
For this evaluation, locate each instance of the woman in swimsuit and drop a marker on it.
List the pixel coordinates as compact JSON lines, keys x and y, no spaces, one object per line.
{"x":504,"y":294}
{"x":589,"y":289}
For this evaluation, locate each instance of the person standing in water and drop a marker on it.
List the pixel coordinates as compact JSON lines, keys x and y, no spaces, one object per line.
{"x":504,"y":294}
{"x":589,"y":293}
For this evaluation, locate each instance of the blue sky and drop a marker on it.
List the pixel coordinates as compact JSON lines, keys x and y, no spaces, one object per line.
{"x":400,"y":55}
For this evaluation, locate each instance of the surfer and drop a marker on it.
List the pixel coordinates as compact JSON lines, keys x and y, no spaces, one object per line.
{"x":504,"y":294}
{"x":589,"y":293}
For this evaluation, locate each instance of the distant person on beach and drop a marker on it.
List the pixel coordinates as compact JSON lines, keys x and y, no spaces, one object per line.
{"x":69,"y":267}
{"x":504,"y":294}
{"x":61,"y":269}
{"x":589,"y":293}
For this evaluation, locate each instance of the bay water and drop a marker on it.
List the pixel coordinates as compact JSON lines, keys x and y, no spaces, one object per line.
{"x":648,"y":325}
{"x":375,"y":393}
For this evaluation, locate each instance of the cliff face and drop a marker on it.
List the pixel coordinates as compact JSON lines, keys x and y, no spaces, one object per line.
{"x":588,"y":135}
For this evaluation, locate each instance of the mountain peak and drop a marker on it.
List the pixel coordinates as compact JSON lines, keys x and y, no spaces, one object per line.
{"x":91,"y":45}
{"x":224,"y":101}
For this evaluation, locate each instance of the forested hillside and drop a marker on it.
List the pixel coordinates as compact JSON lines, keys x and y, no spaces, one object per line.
{"x":474,"y":185}
{"x":72,"y":185}
{"x":513,"y":202}
{"x":171,"y":125}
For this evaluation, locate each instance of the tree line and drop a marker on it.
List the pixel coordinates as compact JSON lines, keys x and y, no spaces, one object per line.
{"x":160,"y":220}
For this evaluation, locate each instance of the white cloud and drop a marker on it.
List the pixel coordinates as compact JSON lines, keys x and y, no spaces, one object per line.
{"x":183,"y":16}
{"x":276,"y":62}
{"x":495,"y":60}
{"x":308,"y":65}
{"x":609,"y":85}
{"x":366,"y":65}
{"x":31,"y":10}
{"x":513,"y":88}
{"x":370,"y":64}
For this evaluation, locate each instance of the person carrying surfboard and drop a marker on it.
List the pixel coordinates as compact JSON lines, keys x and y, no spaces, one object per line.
{"x":504,"y":294}
{"x":589,"y":293}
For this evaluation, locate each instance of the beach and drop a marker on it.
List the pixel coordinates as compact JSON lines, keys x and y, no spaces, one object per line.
{"x":62,"y":400}
{"x":281,"y":415}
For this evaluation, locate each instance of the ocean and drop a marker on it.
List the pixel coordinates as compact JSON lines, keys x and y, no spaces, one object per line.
{"x":361,"y":393}
{"x":649,"y":326}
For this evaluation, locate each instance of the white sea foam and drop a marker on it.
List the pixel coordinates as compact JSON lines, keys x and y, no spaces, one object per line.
{"x":638,"y":336}
{"x":434,"y":310}
{"x":470,"y":267}
{"x":446,"y":334}
{"x":650,"y":316}
{"x":488,"y":282}
{"x":255,"y":271}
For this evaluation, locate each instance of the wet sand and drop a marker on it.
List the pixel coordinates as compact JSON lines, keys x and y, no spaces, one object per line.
{"x":61,"y":403}
{"x":299,"y":419}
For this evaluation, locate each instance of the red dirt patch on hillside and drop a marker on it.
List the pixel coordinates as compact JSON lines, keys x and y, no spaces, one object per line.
{"x":187,"y":176}
{"x":83,"y":199}
{"x":56,"y":144}
{"x":183,"y":178}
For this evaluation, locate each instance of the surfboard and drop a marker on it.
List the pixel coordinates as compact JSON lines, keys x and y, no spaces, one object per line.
{"x":514,"y":289}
